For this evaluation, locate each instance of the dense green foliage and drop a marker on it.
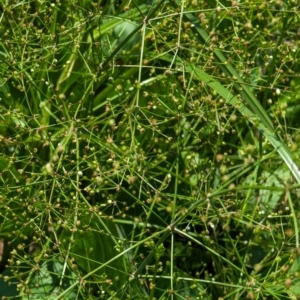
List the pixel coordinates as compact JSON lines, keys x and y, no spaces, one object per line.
{"x":148,"y":149}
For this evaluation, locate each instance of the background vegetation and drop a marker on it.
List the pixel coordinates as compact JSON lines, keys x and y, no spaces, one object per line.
{"x":149,"y":149}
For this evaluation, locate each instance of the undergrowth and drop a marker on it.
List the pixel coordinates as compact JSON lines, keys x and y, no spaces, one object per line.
{"x":148,"y":149}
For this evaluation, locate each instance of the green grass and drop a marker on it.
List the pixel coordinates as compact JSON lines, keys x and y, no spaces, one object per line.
{"x":149,"y":150}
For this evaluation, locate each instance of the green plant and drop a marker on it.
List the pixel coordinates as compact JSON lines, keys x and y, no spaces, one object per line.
{"x":148,"y":150}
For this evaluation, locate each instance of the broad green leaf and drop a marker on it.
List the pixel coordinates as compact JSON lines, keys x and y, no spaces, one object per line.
{"x":45,"y":284}
{"x":269,"y":192}
{"x":94,"y":247}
